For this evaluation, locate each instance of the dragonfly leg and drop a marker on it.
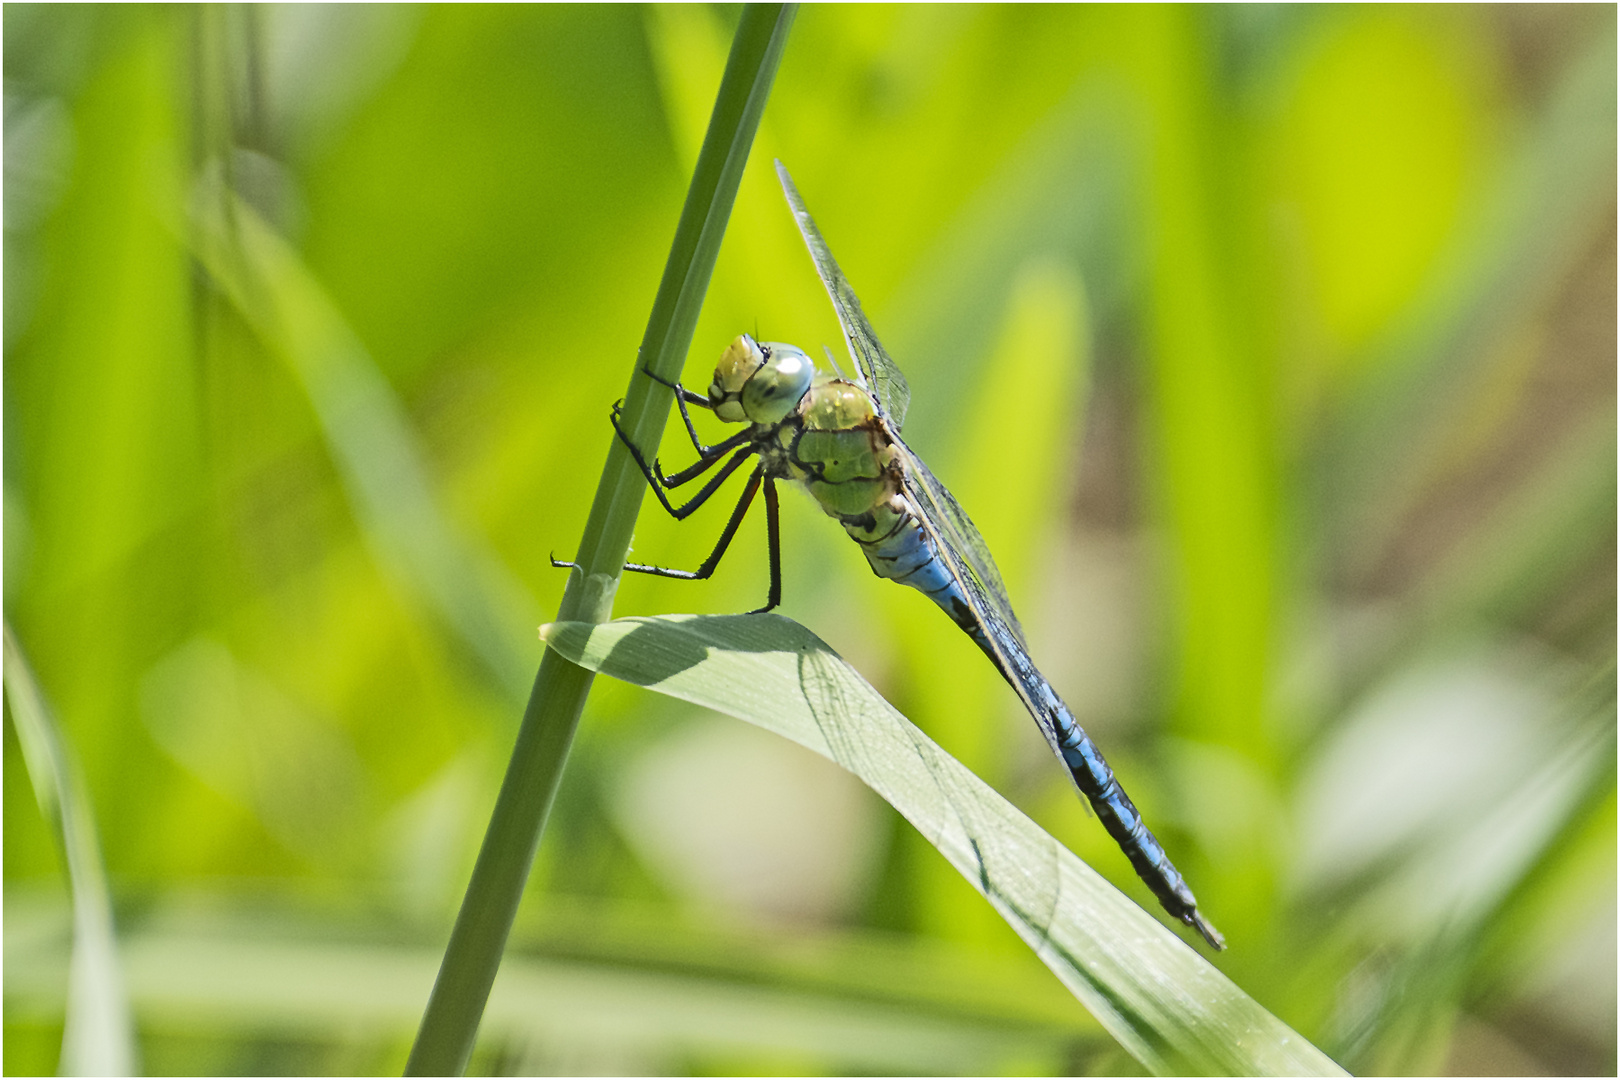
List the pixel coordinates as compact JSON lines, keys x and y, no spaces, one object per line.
{"x":773,"y":537}
{"x":686,"y":509}
{"x":703,"y":572}
{"x":655,"y":476}
{"x":682,"y":397}
{"x":690,"y":395}
{"x":703,"y":465}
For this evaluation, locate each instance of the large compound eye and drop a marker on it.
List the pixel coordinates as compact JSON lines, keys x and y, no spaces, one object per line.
{"x":775,"y":389}
{"x":742,"y":358}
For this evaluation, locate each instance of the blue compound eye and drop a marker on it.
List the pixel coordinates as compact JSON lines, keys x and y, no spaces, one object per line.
{"x":773,"y":391}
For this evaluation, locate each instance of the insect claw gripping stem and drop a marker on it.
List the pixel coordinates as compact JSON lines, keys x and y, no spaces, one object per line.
{"x":681,"y":392}
{"x":657,"y":378}
{"x":653,"y":477}
{"x":709,"y":457}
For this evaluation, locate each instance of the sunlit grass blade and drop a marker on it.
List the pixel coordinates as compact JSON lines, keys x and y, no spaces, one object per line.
{"x":1167,"y":1006}
{"x":450,"y":1023}
{"x":98,"y":1037}
{"x":366,"y":427}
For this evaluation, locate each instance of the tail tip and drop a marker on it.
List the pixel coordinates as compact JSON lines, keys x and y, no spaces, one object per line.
{"x":1207,"y":929}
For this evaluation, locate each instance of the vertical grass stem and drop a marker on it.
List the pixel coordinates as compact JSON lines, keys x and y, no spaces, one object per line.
{"x":449,"y":1026}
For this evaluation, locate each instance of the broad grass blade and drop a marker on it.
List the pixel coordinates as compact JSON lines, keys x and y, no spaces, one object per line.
{"x":1166,"y":1005}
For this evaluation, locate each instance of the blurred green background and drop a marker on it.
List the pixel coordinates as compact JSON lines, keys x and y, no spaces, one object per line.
{"x":1272,"y":349}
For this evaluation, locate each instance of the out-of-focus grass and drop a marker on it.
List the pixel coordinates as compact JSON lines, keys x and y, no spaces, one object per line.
{"x":98,"y":1038}
{"x":1298,"y":322}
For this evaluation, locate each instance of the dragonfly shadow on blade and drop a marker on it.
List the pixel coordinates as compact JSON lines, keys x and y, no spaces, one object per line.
{"x":840,"y":438}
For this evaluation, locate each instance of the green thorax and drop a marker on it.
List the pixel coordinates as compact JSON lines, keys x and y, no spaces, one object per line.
{"x":839,"y":450}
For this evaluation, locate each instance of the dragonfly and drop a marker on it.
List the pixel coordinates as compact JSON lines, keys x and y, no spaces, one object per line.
{"x":840,"y":439}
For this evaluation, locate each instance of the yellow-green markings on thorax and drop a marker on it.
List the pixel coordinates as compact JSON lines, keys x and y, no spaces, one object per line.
{"x":843,"y":458}
{"x":826,"y":432}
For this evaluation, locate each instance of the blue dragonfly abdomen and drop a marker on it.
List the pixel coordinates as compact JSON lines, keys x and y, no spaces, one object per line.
{"x":1096,"y":780}
{"x":846,"y":461}
{"x":902,"y":551}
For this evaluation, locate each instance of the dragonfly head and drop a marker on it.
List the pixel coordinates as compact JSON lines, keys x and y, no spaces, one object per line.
{"x":759,"y":382}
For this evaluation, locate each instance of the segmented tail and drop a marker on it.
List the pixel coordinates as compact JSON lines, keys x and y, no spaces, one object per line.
{"x":1096,"y":781}
{"x":906,"y":555}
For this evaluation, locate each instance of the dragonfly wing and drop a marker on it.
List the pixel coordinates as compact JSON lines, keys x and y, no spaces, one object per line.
{"x":966,"y":558}
{"x":958,"y":544}
{"x":879,"y":373}
{"x":958,"y":537}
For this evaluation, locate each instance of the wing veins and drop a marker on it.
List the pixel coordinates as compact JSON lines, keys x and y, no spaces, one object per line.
{"x":963,"y":537}
{"x":879,"y":374}
{"x":925,"y":488}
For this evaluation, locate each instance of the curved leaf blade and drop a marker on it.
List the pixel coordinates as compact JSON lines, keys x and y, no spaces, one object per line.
{"x":1167,"y":1006}
{"x":98,"y":1033}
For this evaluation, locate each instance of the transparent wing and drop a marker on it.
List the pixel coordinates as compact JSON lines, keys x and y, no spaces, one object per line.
{"x":950,"y":523}
{"x":879,"y":374}
{"x":958,"y":540}
{"x":964,"y":553}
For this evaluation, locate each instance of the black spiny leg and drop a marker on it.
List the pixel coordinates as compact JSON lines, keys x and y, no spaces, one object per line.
{"x":686,"y":509}
{"x":703,"y":465}
{"x":683,"y":396}
{"x":708,"y":457}
{"x":704,"y":572}
{"x":659,"y":481}
{"x":773,"y":537}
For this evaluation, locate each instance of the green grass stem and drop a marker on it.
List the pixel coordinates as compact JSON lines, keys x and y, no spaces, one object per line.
{"x":450,"y":1024}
